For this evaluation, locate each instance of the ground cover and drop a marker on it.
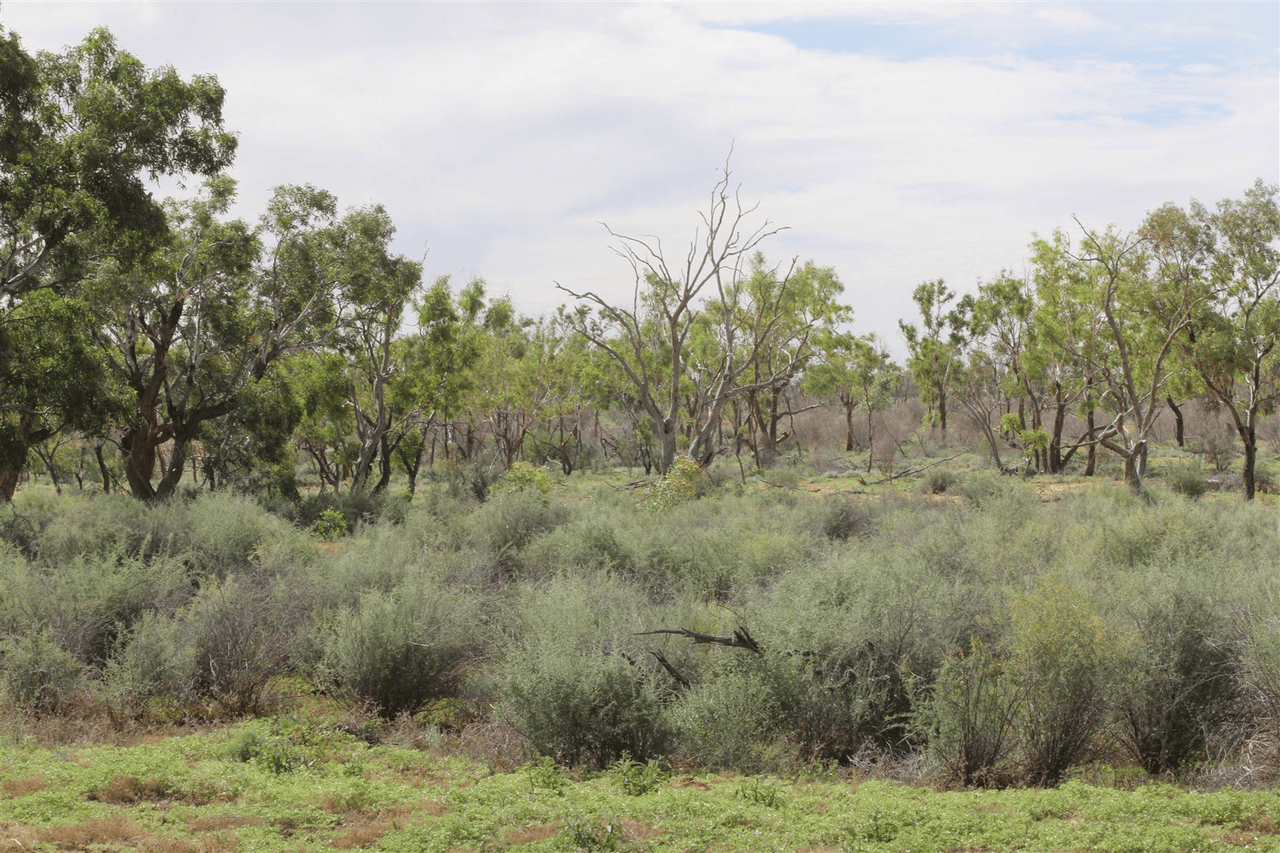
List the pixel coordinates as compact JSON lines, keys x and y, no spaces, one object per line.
{"x":290,"y":783}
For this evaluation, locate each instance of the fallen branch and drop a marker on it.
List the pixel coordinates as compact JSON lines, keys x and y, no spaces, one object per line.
{"x":908,"y":473}
{"x":741,"y":638}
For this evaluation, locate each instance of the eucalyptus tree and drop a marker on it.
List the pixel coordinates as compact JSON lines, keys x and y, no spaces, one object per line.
{"x":1141,"y":313}
{"x":781,"y":329}
{"x":855,"y":371}
{"x":1230,"y":255}
{"x":188,"y":329}
{"x":82,"y":130}
{"x":937,"y":347}
{"x":374,"y":286}
{"x":648,"y":338}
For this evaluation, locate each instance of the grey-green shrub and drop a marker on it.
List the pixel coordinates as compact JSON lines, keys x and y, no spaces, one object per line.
{"x":1183,"y":682}
{"x":154,"y":660}
{"x":242,"y":637}
{"x":38,"y":673}
{"x":396,"y":651}
{"x":574,"y":683}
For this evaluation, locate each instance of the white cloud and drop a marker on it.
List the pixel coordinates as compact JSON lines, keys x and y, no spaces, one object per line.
{"x":504,"y":133}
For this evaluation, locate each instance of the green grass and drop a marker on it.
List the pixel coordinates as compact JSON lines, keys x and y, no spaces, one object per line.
{"x":288,"y":784}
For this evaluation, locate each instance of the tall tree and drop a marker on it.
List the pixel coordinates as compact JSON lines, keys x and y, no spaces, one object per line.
{"x":82,"y":131}
{"x":647,"y":340}
{"x":190,"y":328}
{"x":936,"y":348}
{"x":1231,"y":255}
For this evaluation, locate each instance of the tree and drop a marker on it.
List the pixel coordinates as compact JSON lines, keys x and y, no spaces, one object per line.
{"x":374,"y":286}
{"x":649,"y":341}
{"x":190,"y":328}
{"x":81,"y":131}
{"x":1142,"y":314}
{"x":855,"y":372}
{"x":1231,"y":256}
{"x":936,"y":347}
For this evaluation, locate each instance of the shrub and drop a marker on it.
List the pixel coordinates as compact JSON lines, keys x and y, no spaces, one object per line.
{"x":1187,"y":479}
{"x":329,"y":525}
{"x":939,"y":481}
{"x":397,"y":651}
{"x":523,"y":477}
{"x":1059,"y":656}
{"x":241,"y":638}
{"x":677,"y":486}
{"x":39,"y":674}
{"x":1183,"y":683}
{"x":154,"y":660}
{"x":969,"y":718}
{"x":570,"y":685}
{"x":224,"y":532}
{"x":507,"y":523}
{"x":584,"y":706}
{"x":840,"y":518}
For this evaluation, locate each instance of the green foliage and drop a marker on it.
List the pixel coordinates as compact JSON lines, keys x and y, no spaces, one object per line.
{"x":39,"y":674}
{"x":523,"y":477}
{"x":1187,"y":479}
{"x":637,"y":779}
{"x":971,"y":715}
{"x":677,"y":486}
{"x":396,"y":651}
{"x":1059,"y":653}
{"x":329,"y":525}
{"x":571,"y":687}
{"x":1183,"y":682}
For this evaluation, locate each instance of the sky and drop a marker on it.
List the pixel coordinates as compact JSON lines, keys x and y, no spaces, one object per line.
{"x":897,"y":142}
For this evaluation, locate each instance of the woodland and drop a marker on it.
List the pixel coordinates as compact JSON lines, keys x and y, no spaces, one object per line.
{"x":297,"y":550}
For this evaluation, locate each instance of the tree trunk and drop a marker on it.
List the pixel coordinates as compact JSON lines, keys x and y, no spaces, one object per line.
{"x":1179,"y":431}
{"x":848,"y":422}
{"x":1091,"y":461}
{"x":102,"y":466}
{"x":1249,"y":438}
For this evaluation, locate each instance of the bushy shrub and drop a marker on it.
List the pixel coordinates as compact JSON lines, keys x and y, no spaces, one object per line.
{"x":585,"y":706}
{"x":90,"y":598}
{"x":506,"y":524}
{"x":1187,"y":479}
{"x":224,"y":532}
{"x":939,"y":481}
{"x":569,"y":683}
{"x":38,"y":673}
{"x":840,"y":518}
{"x":154,"y":660}
{"x":1059,"y":654}
{"x":679,"y":485}
{"x":242,"y":638}
{"x":396,"y":651}
{"x":523,"y":477}
{"x":1183,"y":683}
{"x":970,"y":714}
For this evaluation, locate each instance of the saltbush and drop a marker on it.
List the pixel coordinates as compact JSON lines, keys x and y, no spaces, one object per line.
{"x":38,"y":673}
{"x":572,"y":683}
{"x":395,"y":651}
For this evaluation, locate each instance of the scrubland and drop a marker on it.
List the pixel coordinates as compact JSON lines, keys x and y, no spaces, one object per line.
{"x":961,"y":661}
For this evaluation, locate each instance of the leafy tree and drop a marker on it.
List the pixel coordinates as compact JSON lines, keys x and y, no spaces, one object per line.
{"x":374,"y":286}
{"x":189,"y":329}
{"x":936,"y":347}
{"x":81,"y":131}
{"x":779,"y":322}
{"x":854,"y":371}
{"x":1231,"y":257}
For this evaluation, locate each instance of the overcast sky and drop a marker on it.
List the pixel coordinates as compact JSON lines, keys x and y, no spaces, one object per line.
{"x":898,"y":141}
